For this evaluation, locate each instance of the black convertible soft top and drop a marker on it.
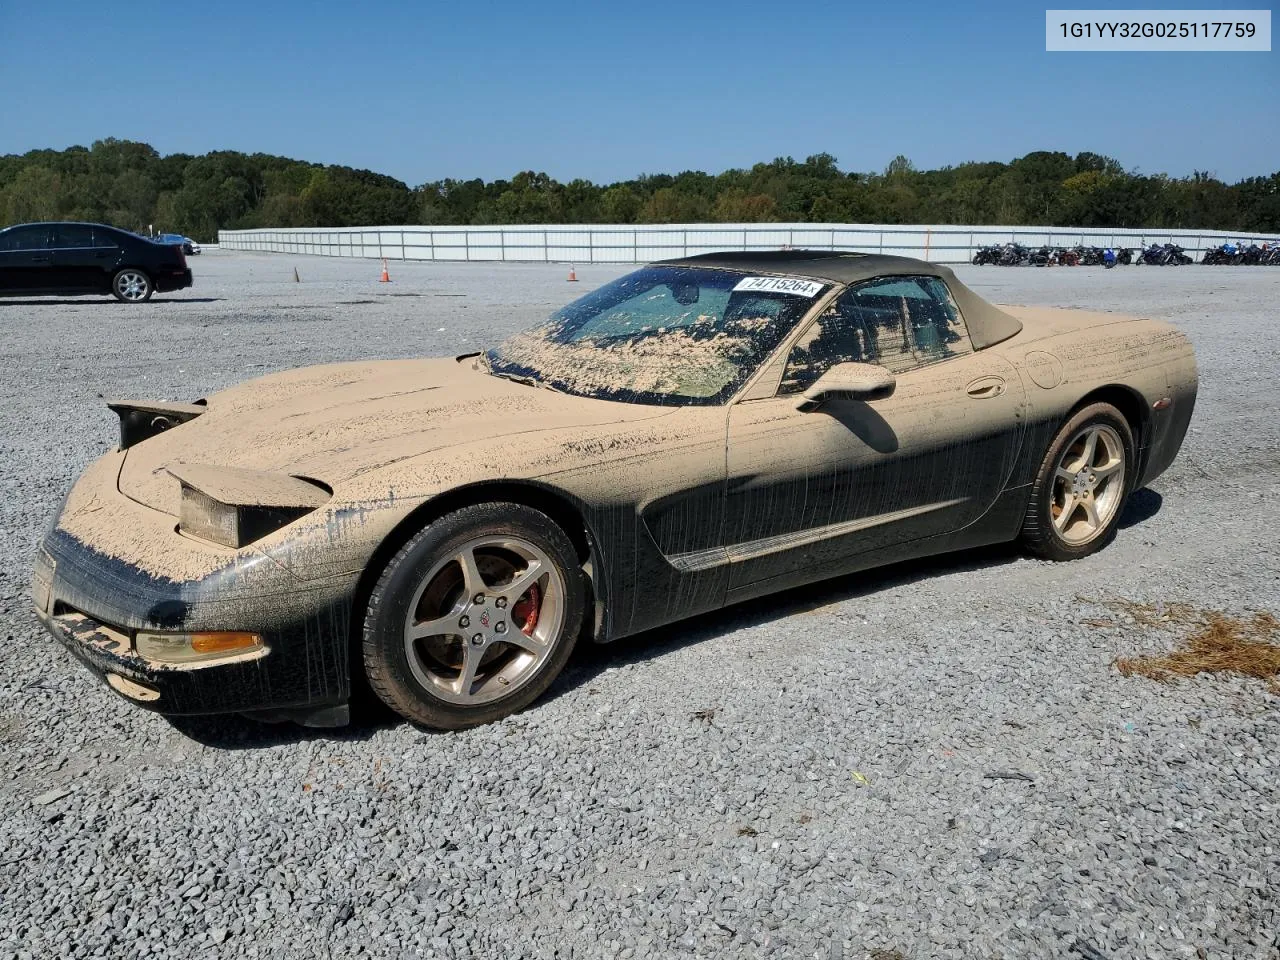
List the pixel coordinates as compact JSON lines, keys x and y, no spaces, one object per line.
{"x":987,"y":324}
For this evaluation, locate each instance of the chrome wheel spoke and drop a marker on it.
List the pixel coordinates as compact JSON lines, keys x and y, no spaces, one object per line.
{"x":518,"y":638}
{"x":1108,"y":469}
{"x":471,"y":656}
{"x":1066,"y":476}
{"x":471,"y":578}
{"x":1068,"y":508}
{"x":446,"y":626}
{"x":1090,"y":511}
{"x":1090,"y":447}
{"x":523,"y":581}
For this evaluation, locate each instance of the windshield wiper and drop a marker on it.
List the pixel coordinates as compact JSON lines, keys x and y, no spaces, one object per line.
{"x":528,"y":381}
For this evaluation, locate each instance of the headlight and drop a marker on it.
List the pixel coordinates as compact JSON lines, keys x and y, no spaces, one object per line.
{"x":191,"y":647}
{"x":141,"y":421}
{"x":235,"y":507}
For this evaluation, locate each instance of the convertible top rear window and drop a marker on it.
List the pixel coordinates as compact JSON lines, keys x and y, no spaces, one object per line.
{"x":662,"y":335}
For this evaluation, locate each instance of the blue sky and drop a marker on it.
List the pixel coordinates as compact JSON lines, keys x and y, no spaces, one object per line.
{"x":424,"y":91}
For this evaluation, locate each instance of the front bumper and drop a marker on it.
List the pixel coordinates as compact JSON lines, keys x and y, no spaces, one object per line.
{"x":94,"y":605}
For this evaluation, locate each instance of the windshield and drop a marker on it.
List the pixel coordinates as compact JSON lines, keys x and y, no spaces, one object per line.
{"x":662,"y":335}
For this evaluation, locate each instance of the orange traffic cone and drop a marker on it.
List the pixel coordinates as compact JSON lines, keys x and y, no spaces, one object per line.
{"x":386,"y":277}
{"x":573,"y":274}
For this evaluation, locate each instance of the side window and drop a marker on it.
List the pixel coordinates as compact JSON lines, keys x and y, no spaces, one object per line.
{"x":899,"y":323}
{"x":25,"y":238}
{"x":72,"y":235}
{"x":104,"y":238}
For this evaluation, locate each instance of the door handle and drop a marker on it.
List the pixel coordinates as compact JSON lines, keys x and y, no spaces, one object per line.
{"x":41,"y":259}
{"x":984,"y":388}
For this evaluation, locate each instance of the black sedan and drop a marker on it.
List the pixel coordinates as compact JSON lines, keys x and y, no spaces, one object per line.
{"x":79,"y":259}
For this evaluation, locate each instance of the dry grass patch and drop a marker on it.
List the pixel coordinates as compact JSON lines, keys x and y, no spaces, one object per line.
{"x":1215,"y":642}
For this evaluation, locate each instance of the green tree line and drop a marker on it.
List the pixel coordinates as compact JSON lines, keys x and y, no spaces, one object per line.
{"x":131,"y":185}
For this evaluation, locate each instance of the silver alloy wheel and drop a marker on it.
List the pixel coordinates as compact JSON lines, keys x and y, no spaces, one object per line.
{"x":484,"y":620}
{"x":1088,"y":484}
{"x":132,"y":285}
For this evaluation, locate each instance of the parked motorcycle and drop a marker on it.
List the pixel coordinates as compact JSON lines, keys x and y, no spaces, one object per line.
{"x":1224,"y":255}
{"x":1251,"y":256}
{"x":1013,"y":254}
{"x":1164,"y":255}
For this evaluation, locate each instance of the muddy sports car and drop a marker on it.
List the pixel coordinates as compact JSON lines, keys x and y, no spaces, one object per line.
{"x":694,"y":434}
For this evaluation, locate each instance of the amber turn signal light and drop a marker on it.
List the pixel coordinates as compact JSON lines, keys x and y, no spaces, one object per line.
{"x":189,"y":647}
{"x":223,"y":642}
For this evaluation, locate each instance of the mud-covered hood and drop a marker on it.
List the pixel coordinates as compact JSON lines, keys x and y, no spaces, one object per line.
{"x":333,"y":422}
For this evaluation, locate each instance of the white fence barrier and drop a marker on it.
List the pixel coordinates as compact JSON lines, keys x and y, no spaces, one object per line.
{"x":594,"y":243}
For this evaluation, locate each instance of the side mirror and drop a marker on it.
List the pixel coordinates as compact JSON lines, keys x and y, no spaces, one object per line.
{"x":852,"y":381}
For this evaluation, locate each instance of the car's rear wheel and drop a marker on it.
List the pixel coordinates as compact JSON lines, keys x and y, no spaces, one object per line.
{"x":474,"y":617}
{"x":1082,"y":485}
{"x":132,"y":285}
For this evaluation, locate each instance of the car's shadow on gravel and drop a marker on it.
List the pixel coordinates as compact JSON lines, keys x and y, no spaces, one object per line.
{"x":235,"y":732}
{"x":369,"y":715}
{"x":590,"y":659}
{"x":90,"y":301}
{"x":1142,"y":505}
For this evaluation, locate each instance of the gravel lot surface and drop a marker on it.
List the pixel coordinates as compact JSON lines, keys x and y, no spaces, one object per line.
{"x":809,"y":776}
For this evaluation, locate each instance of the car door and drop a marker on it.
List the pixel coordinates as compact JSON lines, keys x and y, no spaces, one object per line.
{"x":81,"y":262}
{"x":26,"y":262}
{"x":808,"y":490}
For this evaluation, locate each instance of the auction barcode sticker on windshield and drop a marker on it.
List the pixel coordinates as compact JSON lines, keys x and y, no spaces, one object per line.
{"x":799,"y":288}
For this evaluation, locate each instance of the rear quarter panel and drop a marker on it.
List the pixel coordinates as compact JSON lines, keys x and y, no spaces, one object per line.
{"x":1078,"y":353}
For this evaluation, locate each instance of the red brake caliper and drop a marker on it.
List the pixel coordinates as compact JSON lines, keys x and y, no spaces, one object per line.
{"x":526,"y":610}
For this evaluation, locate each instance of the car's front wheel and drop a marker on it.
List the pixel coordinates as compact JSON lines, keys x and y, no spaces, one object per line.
{"x":1082,"y":485}
{"x":474,"y":617}
{"x":132,"y":285}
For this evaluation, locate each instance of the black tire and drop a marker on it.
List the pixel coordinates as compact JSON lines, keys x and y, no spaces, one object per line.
{"x":132,"y":285}
{"x":1039,"y":535}
{"x":386,"y":658}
